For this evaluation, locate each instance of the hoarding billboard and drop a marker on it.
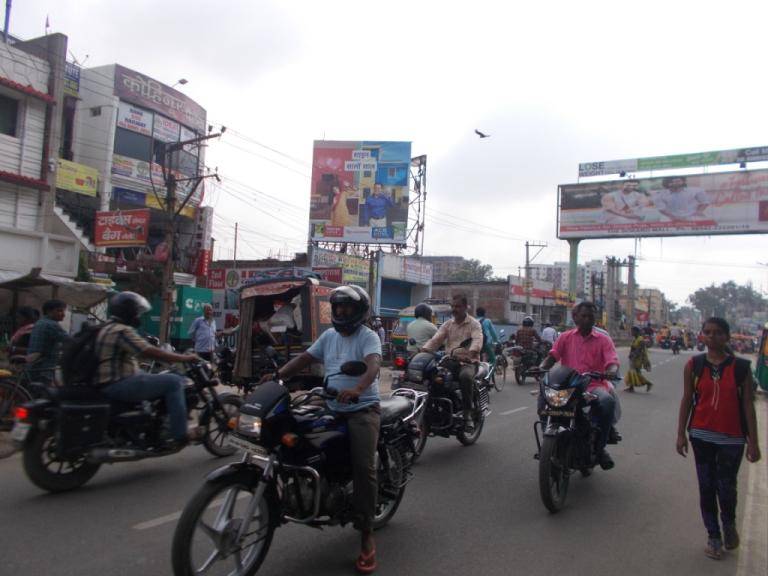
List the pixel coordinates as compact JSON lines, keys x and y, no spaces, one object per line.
{"x":714,"y":158}
{"x":360,"y":192}
{"x":76,"y":177}
{"x":122,"y":228}
{"x":722,"y":203}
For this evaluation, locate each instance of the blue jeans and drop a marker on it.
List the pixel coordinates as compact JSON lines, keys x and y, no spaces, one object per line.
{"x":142,"y":386}
{"x":602,"y":413}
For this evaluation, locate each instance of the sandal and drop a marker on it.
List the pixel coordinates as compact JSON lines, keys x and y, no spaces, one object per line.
{"x":714,"y":548}
{"x":366,"y":562}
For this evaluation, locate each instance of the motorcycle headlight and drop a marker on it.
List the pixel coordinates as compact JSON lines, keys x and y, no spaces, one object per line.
{"x":558,"y":398}
{"x":249,"y":425}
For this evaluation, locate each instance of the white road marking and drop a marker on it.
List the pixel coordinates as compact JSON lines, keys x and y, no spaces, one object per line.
{"x":508,"y":412}
{"x":173,"y":516}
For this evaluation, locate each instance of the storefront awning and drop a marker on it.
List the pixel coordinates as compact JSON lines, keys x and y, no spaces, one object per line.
{"x":45,"y":286}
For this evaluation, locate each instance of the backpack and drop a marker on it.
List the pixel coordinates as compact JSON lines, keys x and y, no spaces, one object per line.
{"x":80,"y":360}
{"x":741,"y":369}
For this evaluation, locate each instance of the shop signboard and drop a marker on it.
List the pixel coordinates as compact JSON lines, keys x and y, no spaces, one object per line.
{"x":71,"y":79}
{"x":165,"y":129}
{"x":122,"y":228}
{"x":354,"y":270}
{"x":76,"y":177}
{"x":705,"y":204}
{"x":132,"y":118}
{"x":359,"y":191}
{"x":216,"y":278}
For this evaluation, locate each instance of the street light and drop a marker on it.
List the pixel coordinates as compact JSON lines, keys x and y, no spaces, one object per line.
{"x":181,"y":81}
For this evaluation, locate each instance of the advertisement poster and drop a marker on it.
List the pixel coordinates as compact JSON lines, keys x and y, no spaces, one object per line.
{"x":135,"y":119}
{"x":354,"y":270}
{"x":360,"y":192}
{"x":76,"y":177}
{"x":706,"y":204}
{"x":165,"y":130}
{"x":137,"y":172}
{"x":122,"y":228}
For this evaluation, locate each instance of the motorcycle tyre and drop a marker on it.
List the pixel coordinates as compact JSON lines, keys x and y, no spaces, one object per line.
{"x":468,"y":440}
{"x":381,"y":519}
{"x":185,"y":529}
{"x":209,"y":422}
{"x":500,"y":377}
{"x":548,"y":451}
{"x":40,"y":476}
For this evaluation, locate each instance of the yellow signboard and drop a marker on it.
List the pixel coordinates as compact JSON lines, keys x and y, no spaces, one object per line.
{"x":188,"y":211}
{"x":77,"y":177}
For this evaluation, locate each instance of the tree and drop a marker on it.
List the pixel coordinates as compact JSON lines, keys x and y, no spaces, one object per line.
{"x":472,"y":271}
{"x":728,"y":300}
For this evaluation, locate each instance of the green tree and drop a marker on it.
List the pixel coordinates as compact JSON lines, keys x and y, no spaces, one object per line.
{"x":472,"y":271}
{"x":728,"y":300}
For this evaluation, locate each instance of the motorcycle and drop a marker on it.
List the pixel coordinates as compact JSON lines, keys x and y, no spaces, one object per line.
{"x":571,"y":441}
{"x":674,"y":344}
{"x":66,"y":437}
{"x":524,"y":359}
{"x":444,"y":412}
{"x":295,"y":468}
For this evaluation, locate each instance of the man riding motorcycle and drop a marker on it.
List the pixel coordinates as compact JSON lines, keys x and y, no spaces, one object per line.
{"x":357,"y":400}
{"x":117,"y":346}
{"x":586,"y":349}
{"x":527,"y":336}
{"x":452,"y":333}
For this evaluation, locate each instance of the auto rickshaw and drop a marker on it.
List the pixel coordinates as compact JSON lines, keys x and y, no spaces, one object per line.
{"x":282,"y":312}
{"x":441,"y":311}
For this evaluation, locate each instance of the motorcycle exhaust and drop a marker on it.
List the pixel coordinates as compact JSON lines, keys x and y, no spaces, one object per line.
{"x":105,"y":455}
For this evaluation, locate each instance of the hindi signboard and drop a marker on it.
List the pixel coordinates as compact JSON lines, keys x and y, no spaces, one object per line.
{"x":360,"y":192}
{"x":122,"y":228}
{"x":76,"y":177}
{"x":706,"y":204}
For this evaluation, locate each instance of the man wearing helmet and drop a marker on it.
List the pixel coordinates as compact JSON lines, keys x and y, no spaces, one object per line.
{"x":452,"y":333}
{"x":117,"y":346}
{"x":526,"y":335}
{"x":421,"y":329}
{"x":357,"y":400}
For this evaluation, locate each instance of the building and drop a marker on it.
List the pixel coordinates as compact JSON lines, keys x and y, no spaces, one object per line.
{"x":444,"y":267}
{"x":400,"y":282}
{"x":492,"y":295}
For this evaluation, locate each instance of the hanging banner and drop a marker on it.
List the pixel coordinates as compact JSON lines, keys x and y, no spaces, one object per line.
{"x":135,"y":119}
{"x":122,"y":228}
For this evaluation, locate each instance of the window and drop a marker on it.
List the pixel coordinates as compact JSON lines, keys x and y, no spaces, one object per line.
{"x":9,"y":114}
{"x":133,"y":145}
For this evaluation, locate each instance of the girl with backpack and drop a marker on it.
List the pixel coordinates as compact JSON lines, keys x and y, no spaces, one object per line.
{"x":718,"y":411}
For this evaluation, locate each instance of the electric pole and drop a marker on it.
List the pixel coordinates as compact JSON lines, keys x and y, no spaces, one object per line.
{"x":631,"y":293}
{"x":528,"y":281}
{"x":172,"y":212}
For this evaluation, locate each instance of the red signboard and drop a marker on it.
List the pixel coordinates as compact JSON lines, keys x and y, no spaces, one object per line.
{"x":122,"y":228}
{"x":216,"y":278}
{"x":329,"y":274}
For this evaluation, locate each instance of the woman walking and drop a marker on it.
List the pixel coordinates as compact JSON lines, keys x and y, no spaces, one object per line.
{"x":717,"y":409}
{"x":638,"y":359}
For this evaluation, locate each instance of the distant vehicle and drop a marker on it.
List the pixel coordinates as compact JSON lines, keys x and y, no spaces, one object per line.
{"x":441,"y":311}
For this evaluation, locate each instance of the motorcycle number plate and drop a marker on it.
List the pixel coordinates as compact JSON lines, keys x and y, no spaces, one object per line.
{"x":20,"y":431}
{"x":245,"y":446}
{"x":566,"y":413}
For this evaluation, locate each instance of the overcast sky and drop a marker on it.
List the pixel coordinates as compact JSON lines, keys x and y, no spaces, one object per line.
{"x":554,"y":83}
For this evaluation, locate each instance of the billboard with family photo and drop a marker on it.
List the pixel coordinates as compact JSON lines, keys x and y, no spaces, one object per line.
{"x":360,"y":192}
{"x":705,"y":204}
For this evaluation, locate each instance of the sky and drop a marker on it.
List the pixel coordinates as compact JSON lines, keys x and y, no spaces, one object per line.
{"x":554,"y":83}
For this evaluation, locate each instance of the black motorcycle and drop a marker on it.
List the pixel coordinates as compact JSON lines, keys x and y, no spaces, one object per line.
{"x":571,"y":441}
{"x":296,"y":468}
{"x":523,"y":359}
{"x":66,"y":437}
{"x":674,"y":343}
{"x":444,"y":413}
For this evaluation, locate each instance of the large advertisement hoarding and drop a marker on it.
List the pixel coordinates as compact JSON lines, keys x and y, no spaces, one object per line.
{"x":723,"y":203}
{"x":360,"y":192}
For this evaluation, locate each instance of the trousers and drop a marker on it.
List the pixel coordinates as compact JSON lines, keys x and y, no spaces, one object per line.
{"x":363,"y":428}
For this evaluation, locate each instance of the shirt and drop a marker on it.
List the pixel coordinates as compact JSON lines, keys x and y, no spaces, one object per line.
{"x":489,"y":331}
{"x":203,"y":333}
{"x":334,"y":349}
{"x":117,"y":346}
{"x":420,"y":330}
{"x":44,"y":340}
{"x":681,"y":204}
{"x":627,"y":203}
{"x":718,"y":406}
{"x":453,"y":333}
{"x":377,"y":206}
{"x":549,"y":334}
{"x":595,"y":352}
{"x":526,"y":337}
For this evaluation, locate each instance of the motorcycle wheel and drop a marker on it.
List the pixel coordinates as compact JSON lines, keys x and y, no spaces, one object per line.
{"x":469,"y":439}
{"x":519,"y":376}
{"x":391,"y":480}
{"x":207,"y":530}
{"x":215,"y":439}
{"x":47,"y":471}
{"x":500,"y":377}
{"x":553,"y":475}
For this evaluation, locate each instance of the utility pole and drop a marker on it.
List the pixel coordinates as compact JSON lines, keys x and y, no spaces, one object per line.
{"x":234,"y":255}
{"x":528,"y":281}
{"x":172,"y":212}
{"x":630,"y":293}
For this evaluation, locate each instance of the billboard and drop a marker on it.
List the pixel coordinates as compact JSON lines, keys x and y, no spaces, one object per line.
{"x":722,"y":203}
{"x":122,"y":228}
{"x":354,"y":270}
{"x":76,"y":177}
{"x":360,"y":192}
{"x":717,"y":157}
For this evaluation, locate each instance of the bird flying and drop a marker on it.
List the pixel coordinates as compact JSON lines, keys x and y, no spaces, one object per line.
{"x":481,"y":134}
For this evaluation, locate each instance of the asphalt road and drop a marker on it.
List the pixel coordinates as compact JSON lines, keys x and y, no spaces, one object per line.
{"x":468,"y":511}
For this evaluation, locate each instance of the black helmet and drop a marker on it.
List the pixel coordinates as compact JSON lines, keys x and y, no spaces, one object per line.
{"x":127,"y":307}
{"x":527,"y":321}
{"x":423,"y":311}
{"x":353,"y":295}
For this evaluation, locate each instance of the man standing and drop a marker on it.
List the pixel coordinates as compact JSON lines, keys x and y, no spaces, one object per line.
{"x":378,"y":327}
{"x":378,"y":204}
{"x":452,"y":333}
{"x":585,"y":349}
{"x":203,"y":334}
{"x":44,"y":341}
{"x":680,"y":202}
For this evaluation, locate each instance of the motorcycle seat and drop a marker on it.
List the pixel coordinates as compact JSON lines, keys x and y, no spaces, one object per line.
{"x":394,"y":407}
{"x":88,"y":395}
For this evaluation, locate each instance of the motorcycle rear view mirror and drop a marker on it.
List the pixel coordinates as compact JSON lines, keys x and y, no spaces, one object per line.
{"x":354,"y":368}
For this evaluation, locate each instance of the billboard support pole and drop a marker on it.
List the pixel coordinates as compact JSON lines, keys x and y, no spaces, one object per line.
{"x":573,"y":268}
{"x":631,"y":293}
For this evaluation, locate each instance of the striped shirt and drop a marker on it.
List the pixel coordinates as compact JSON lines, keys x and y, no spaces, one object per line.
{"x":117,"y":346}
{"x":716,"y":437}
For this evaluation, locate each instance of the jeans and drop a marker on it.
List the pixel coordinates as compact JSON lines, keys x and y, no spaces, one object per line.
{"x":603,"y":412}
{"x":717,"y":467}
{"x":363,"y":438}
{"x":142,"y":386}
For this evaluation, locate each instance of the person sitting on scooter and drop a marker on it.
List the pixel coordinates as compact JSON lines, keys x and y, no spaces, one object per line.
{"x":357,"y":400}
{"x":118,"y":375}
{"x":586,"y":349}
{"x":452,"y":333}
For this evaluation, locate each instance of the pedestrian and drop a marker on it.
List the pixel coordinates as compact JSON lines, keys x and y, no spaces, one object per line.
{"x":203,"y":334}
{"x":490,"y":336}
{"x":718,"y":411}
{"x":638,"y":360}
{"x":378,"y":327}
{"x":26,"y":319}
{"x":44,"y":342}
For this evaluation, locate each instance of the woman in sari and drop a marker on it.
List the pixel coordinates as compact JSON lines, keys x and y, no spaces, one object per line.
{"x":638,"y":360}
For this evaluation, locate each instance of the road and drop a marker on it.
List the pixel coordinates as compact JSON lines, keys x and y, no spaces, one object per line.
{"x":468,"y":511}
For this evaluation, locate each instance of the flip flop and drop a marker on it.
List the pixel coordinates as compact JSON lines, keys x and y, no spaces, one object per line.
{"x":366,"y":562}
